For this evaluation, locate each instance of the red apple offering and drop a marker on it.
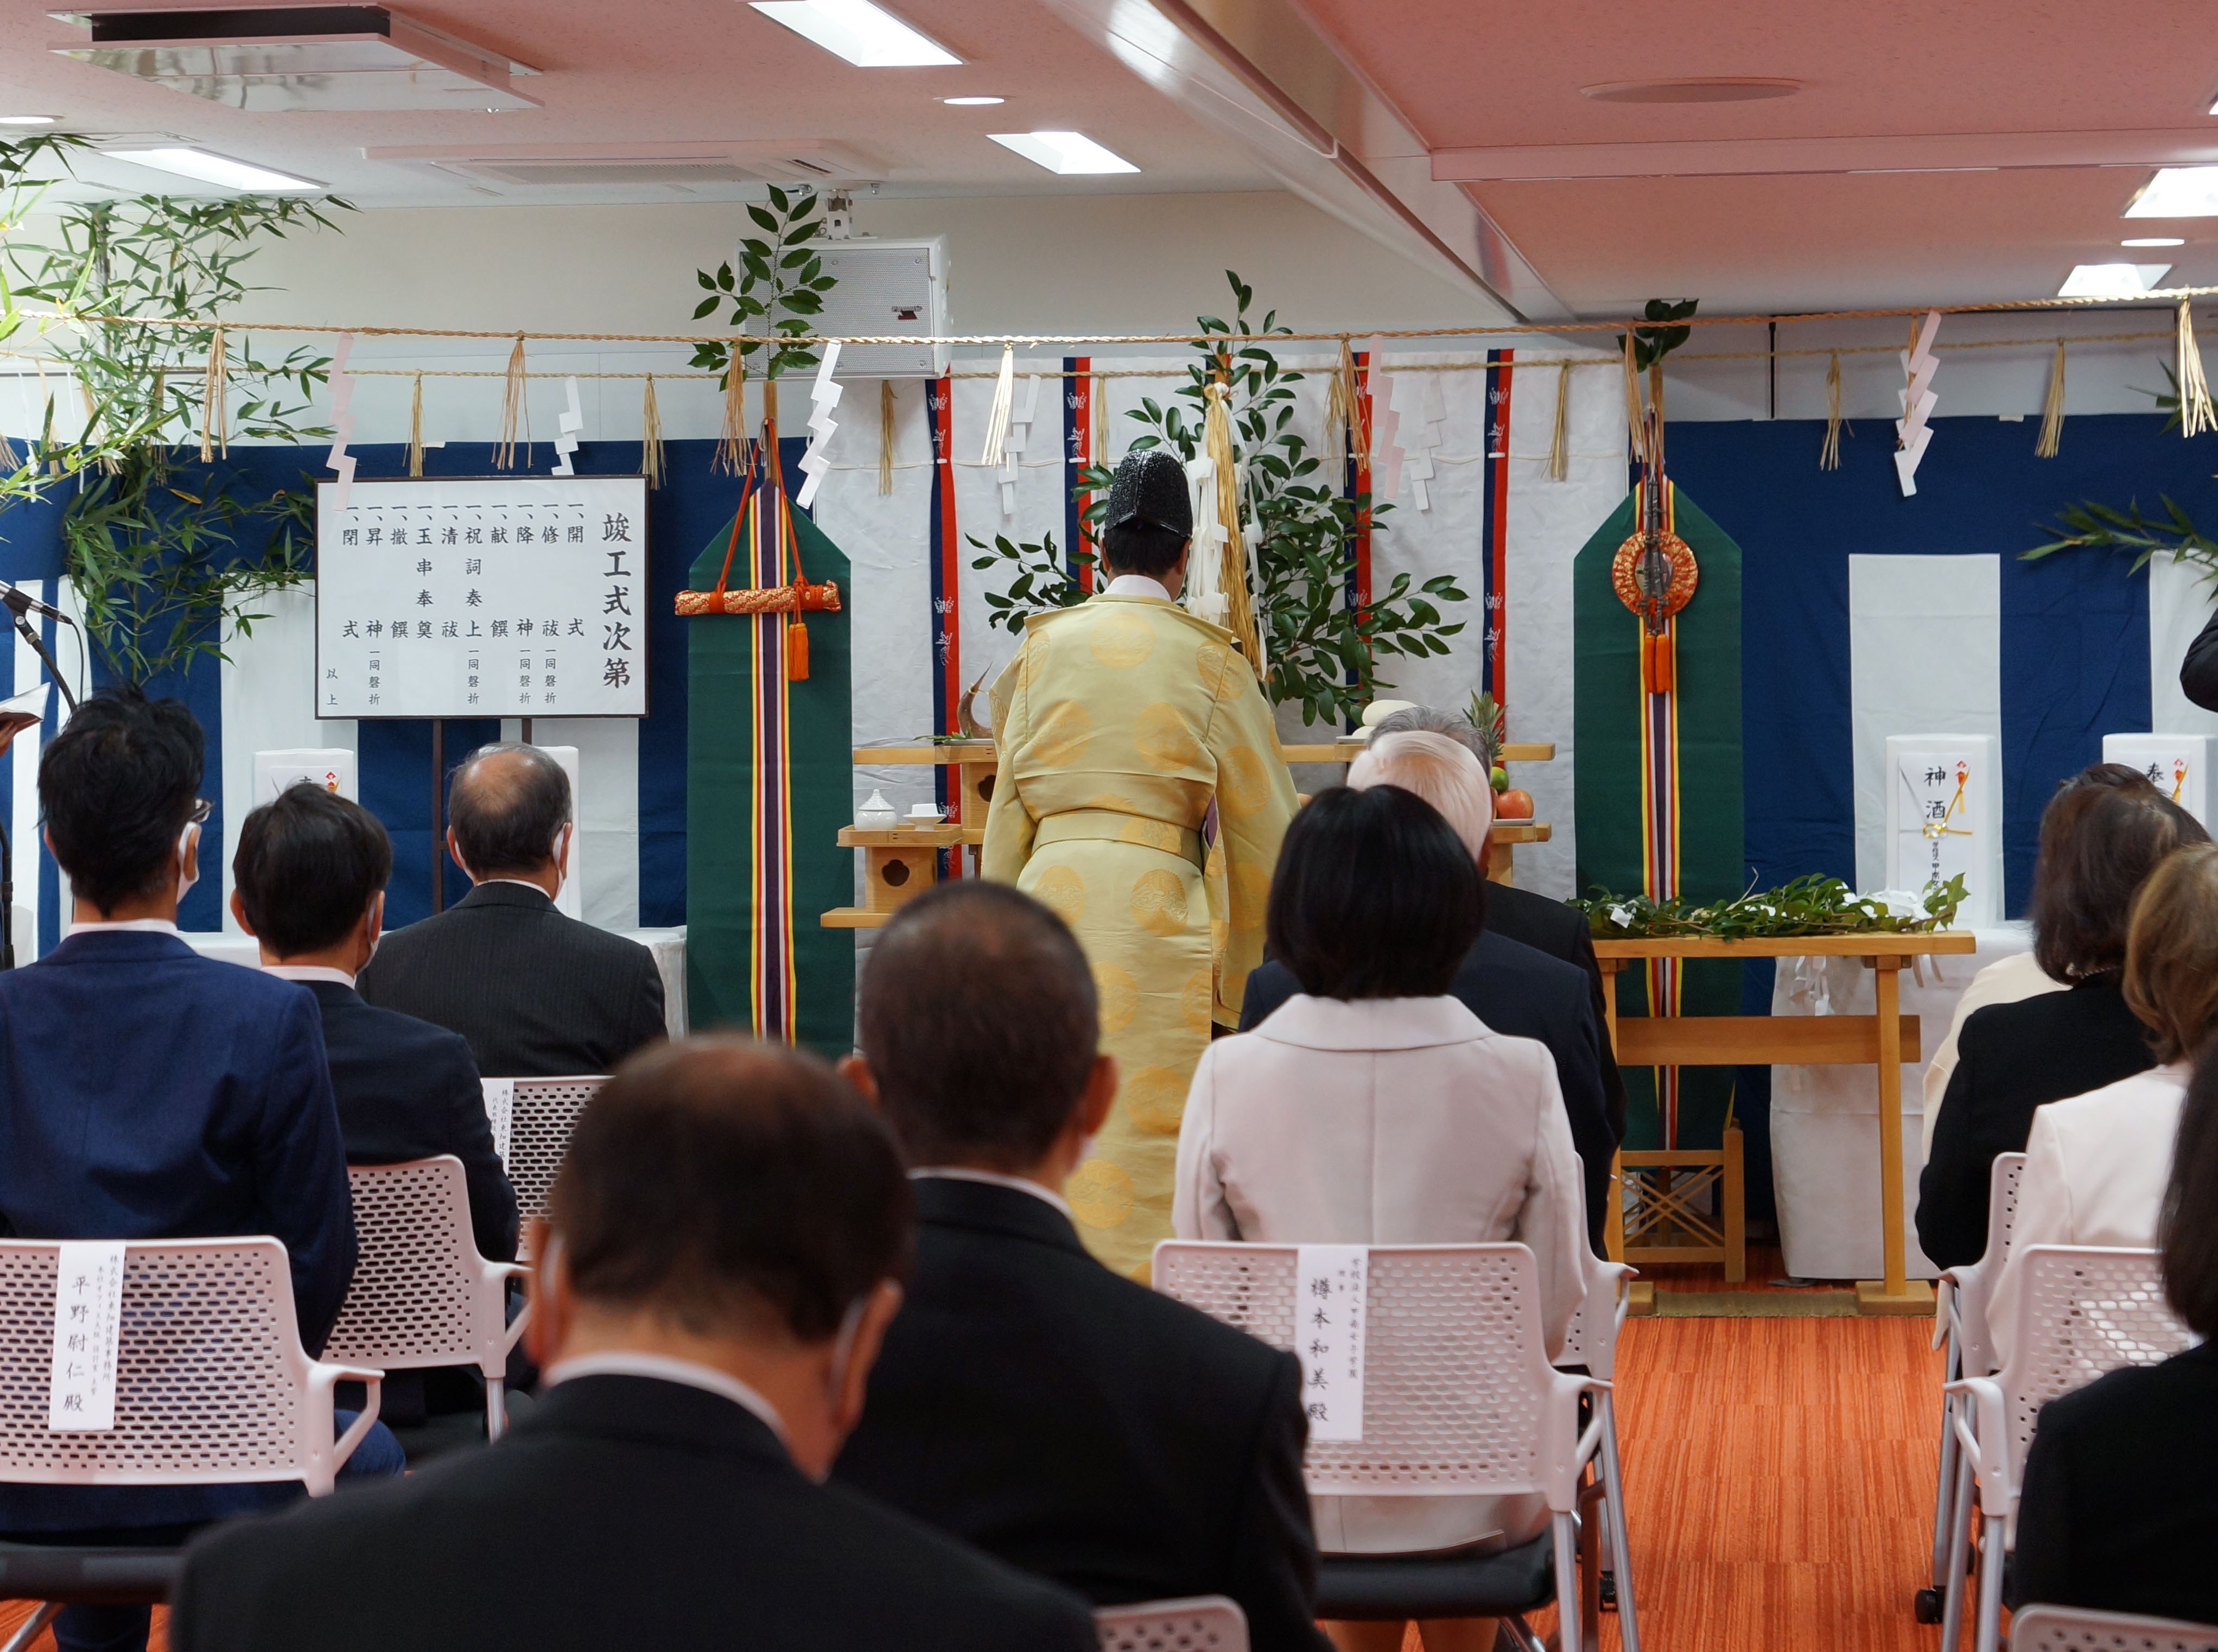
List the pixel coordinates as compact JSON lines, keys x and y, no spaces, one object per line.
{"x":1515,"y":804}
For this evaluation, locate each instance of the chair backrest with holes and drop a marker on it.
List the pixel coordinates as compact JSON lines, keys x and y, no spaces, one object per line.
{"x":545,"y":1111}
{"x":2068,"y":1629}
{"x":1456,"y":1378}
{"x":211,"y":1380}
{"x":1206,"y":1623}
{"x":1590,"y":1339}
{"x":2082,"y":1311}
{"x":419,"y":1296}
{"x":1975,"y":1284}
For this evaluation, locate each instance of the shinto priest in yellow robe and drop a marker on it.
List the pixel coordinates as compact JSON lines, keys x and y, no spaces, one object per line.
{"x":1119,"y":723}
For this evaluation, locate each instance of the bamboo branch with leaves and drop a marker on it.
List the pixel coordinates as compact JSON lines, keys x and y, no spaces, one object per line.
{"x":779,"y":285}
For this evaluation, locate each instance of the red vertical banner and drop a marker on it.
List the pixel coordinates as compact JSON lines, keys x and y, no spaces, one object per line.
{"x":1496,"y":650}
{"x":946,"y":583}
{"x":1078,"y":416}
{"x":1360,"y":440}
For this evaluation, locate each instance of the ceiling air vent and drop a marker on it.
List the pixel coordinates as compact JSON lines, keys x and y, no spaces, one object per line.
{"x":286,"y":58}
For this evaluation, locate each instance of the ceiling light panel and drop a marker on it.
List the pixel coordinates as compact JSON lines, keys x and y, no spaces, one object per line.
{"x":28,"y":120}
{"x":2112,"y":280}
{"x":2178,"y":192}
{"x":2154,"y":241}
{"x":969,"y":102}
{"x":1068,"y":153}
{"x":289,"y":59}
{"x":868,"y":36}
{"x":221,"y":171}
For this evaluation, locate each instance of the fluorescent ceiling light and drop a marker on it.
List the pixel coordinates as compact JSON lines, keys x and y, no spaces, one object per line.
{"x":2111,"y":280}
{"x":2154,"y":241}
{"x":219,"y":169}
{"x":969,"y":102}
{"x":28,"y":120}
{"x":1065,"y":153}
{"x":868,"y":36}
{"x":2178,"y":192}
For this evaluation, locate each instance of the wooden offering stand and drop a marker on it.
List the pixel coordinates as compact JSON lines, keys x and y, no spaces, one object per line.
{"x":1885,"y":1040}
{"x":901,"y":862}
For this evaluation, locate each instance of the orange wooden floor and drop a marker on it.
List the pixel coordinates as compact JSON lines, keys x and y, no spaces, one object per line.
{"x":1779,"y":1477}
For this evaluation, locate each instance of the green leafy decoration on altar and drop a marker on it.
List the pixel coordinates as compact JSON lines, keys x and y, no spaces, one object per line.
{"x":1044,"y":581}
{"x":167,"y":563}
{"x":2090,"y":526}
{"x":1811,"y":906}
{"x":777,"y":290}
{"x":1323,"y":654}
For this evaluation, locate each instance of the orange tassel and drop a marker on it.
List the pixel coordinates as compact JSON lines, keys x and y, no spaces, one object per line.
{"x":1655,"y":662}
{"x":796,"y":650}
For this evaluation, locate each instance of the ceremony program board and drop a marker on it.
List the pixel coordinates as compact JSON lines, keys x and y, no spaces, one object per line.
{"x":512,"y":596}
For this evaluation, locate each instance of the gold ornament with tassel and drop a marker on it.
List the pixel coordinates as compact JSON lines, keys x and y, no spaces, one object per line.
{"x":513,"y":410}
{"x":1232,"y":579}
{"x":416,"y":429}
{"x":885,"y":435}
{"x":212,"y":420}
{"x":2051,"y":411}
{"x":650,"y":437}
{"x":1828,"y":455}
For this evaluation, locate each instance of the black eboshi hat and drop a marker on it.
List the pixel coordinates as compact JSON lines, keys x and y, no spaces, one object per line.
{"x":1150,"y":487}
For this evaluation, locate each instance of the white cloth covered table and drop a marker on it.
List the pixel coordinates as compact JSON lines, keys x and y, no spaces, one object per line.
{"x":668,"y":946}
{"x":1824,"y":1120}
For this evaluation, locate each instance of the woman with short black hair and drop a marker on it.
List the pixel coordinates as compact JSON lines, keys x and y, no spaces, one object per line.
{"x":1375,"y":1109}
{"x":2121,"y":1488}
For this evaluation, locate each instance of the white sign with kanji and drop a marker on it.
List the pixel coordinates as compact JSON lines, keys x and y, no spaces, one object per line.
{"x":1329,"y":1326}
{"x":2178,"y":765}
{"x":1944,"y":819}
{"x":87,"y":1317}
{"x":521,"y":596}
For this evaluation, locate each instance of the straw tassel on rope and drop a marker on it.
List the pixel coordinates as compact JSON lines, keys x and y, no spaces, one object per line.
{"x":731,"y":456}
{"x":2051,"y":411}
{"x":885,"y":435}
{"x":511,"y":409}
{"x":2195,"y":414}
{"x":1632,"y":416}
{"x":1829,"y":456}
{"x":1559,"y":443}
{"x":650,"y":437}
{"x":997,"y":421}
{"x":416,"y":429}
{"x":212,"y":434}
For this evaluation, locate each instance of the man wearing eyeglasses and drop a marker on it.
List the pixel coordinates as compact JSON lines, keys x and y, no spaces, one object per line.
{"x":148,"y":1092}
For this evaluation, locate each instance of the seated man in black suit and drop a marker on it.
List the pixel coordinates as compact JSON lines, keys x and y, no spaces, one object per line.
{"x":1546,"y":926}
{"x":308,"y":883}
{"x":1513,"y":988}
{"x":538,"y":995}
{"x":714,"y":1281}
{"x":1058,"y":1416}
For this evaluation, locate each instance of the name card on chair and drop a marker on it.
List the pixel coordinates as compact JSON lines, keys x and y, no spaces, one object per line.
{"x":1328,"y":1327}
{"x":88,"y":1319}
{"x":500,"y":1108}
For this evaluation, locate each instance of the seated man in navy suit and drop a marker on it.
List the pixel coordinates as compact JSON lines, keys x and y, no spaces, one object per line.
{"x":148,"y":1093}
{"x":308,"y":882}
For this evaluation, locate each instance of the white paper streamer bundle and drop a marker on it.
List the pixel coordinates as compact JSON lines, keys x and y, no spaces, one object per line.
{"x":342,"y":383}
{"x":571,"y":421}
{"x":823,"y":397}
{"x":1911,"y":431}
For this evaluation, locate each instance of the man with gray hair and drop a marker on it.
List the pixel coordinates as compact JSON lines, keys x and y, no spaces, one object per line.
{"x":536,"y":994}
{"x":1546,"y":926}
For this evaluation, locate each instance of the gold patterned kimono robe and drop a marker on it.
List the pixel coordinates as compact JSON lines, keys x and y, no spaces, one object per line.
{"x":1117,"y":724}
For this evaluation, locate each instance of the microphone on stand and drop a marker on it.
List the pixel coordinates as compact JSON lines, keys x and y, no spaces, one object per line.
{"x":20,"y":601}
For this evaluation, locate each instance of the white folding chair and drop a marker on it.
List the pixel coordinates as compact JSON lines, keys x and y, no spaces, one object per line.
{"x":1590,"y":1343}
{"x":212,"y":1387}
{"x":422,"y":1296}
{"x":1203,"y":1623}
{"x":1960,"y":1318}
{"x":2069,"y":1629}
{"x":2082,"y":1310}
{"x":1459,"y":1401}
{"x":542,"y":1114}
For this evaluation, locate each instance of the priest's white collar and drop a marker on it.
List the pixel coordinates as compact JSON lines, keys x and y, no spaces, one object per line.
{"x":1137,"y":585}
{"x":992,"y":1179}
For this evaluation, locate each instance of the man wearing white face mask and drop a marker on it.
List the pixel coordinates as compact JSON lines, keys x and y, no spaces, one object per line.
{"x":148,"y":1092}
{"x":717,"y":1268}
{"x":538,"y":995}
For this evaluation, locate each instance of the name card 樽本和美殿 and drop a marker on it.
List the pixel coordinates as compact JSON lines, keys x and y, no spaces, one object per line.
{"x":1329,"y":1326}
{"x":88,"y":1318}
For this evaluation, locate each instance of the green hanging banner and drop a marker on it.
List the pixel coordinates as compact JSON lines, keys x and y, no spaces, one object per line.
{"x":769,"y":780}
{"x":1657,"y":726}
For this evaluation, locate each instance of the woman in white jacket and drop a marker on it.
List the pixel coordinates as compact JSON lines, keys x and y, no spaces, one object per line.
{"x":1375,"y":1109}
{"x":2096,"y":1165}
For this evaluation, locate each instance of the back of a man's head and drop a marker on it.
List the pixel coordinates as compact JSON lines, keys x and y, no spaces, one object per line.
{"x":1439,"y":769}
{"x":1430,"y":720}
{"x":117,"y":786}
{"x":508,"y":804}
{"x":308,"y":867}
{"x":734,"y":1189}
{"x":979,"y":1023}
